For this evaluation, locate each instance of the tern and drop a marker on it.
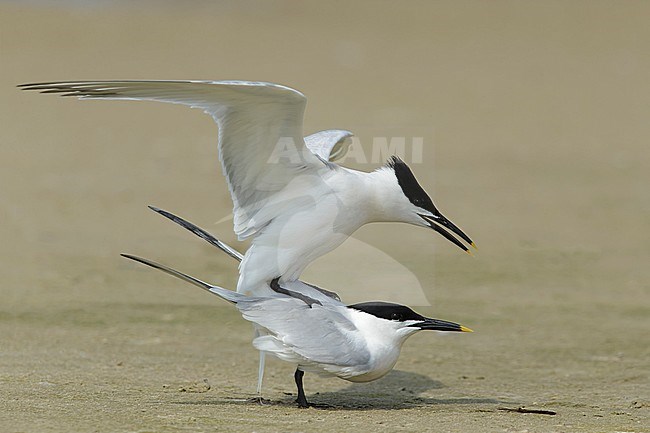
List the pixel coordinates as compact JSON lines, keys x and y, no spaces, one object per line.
{"x":288,"y":195}
{"x":311,"y":327}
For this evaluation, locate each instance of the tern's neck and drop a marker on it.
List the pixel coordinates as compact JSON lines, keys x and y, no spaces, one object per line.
{"x":382,"y":194}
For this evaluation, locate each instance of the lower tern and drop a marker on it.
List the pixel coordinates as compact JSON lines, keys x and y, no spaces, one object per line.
{"x":358,"y":343}
{"x":311,"y":327}
{"x":288,"y":195}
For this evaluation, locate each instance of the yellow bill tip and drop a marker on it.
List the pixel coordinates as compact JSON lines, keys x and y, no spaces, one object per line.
{"x":469,"y":252}
{"x":464,"y":329}
{"x":474,"y":246}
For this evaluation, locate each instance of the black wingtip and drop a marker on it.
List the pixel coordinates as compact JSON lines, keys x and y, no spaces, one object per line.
{"x":129,"y":256}
{"x":136,"y":259}
{"x":188,"y":278}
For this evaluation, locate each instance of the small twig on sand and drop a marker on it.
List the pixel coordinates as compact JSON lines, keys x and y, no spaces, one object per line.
{"x":522,"y":409}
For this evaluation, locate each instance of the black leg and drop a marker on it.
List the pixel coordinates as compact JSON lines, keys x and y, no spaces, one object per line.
{"x":301,"y":400}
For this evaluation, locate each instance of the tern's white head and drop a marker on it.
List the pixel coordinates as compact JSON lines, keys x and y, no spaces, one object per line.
{"x":403,"y":199}
{"x":402,"y":317}
{"x":385,"y":327}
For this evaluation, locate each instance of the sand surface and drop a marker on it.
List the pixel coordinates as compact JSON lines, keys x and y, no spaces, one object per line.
{"x":535,"y":119}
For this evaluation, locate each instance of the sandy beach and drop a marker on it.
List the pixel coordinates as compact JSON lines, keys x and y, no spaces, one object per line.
{"x":534,"y":118}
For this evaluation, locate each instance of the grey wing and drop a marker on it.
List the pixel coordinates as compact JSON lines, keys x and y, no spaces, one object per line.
{"x":307,"y":335}
{"x":260,"y":133}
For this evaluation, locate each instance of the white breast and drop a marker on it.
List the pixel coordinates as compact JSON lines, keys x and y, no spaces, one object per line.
{"x":383,"y":339}
{"x":312,"y":223}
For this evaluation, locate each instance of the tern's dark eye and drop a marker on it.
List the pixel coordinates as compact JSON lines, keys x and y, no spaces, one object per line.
{"x":396,"y":316}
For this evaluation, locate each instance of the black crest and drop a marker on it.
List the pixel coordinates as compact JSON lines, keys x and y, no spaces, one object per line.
{"x":388,"y":311}
{"x":409,"y":184}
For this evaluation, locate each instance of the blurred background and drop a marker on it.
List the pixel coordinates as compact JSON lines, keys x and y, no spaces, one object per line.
{"x":535,"y":123}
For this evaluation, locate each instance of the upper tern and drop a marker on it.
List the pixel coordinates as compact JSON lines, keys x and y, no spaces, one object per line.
{"x":304,"y":326}
{"x":287,"y":193}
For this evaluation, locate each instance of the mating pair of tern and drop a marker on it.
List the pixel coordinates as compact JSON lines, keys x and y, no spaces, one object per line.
{"x":296,"y":204}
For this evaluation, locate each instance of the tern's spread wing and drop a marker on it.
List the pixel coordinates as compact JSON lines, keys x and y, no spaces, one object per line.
{"x":329,"y":145}
{"x":260,"y":132}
